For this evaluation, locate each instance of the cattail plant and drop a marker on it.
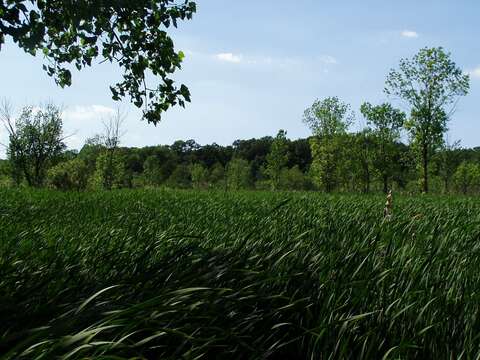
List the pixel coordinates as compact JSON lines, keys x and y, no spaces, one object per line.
{"x":388,"y":210}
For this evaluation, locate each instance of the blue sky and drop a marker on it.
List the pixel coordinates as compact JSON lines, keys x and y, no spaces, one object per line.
{"x":254,"y":66}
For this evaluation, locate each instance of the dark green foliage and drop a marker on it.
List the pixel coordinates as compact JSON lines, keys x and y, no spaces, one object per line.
{"x":154,"y":274}
{"x":217,"y":177}
{"x":152,"y":171}
{"x":129,"y":33}
{"x":181,"y":177}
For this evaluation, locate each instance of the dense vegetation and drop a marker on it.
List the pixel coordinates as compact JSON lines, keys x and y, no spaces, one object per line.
{"x":162,"y":274}
{"x":265,"y":163}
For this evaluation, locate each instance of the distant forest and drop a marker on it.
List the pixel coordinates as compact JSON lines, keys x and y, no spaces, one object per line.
{"x":245,"y":165}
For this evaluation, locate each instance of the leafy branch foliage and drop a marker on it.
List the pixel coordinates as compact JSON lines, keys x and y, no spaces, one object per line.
{"x":131,"y":34}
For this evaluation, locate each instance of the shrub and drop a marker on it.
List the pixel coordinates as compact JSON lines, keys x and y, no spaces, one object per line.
{"x":69,"y":175}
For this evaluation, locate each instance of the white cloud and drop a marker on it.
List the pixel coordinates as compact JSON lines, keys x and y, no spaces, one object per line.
{"x":229,"y":57}
{"x":275,"y":62}
{"x":83,"y":121}
{"x":475,"y":73}
{"x":327,"y":59}
{"x":409,"y":34}
{"x":91,"y":112}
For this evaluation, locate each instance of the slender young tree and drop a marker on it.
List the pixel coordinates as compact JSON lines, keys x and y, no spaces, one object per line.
{"x":430,"y":83}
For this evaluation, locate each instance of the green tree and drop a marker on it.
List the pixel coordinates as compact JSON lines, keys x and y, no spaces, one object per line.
{"x":69,"y":175}
{"x":430,"y":83}
{"x":385,"y":122}
{"x":109,"y":172}
{"x":239,"y":174}
{"x":5,"y":173}
{"x":216,"y":176}
{"x":361,"y":154}
{"x":112,"y":166}
{"x":199,"y":176}
{"x":130,"y":33}
{"x":181,"y":177}
{"x":277,"y":159}
{"x":328,"y":119}
{"x":35,"y":141}
{"x":467,"y":177}
{"x":448,"y":162}
{"x":293,"y":179}
{"x":89,"y":152}
{"x":152,"y":170}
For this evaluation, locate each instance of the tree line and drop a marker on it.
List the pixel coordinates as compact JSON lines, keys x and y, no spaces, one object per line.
{"x":350,"y":162}
{"x":332,"y":159}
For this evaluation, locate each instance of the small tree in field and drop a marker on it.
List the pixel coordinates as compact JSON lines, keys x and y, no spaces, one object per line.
{"x":328,"y":119}
{"x":430,"y":83}
{"x":35,"y":141}
{"x":277,"y":159}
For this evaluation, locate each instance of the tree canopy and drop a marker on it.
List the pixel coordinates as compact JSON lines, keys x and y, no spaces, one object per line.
{"x":36,"y":141}
{"x":129,"y":33}
{"x":430,"y":83}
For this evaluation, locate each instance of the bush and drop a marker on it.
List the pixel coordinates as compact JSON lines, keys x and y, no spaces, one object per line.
{"x":294,"y":179}
{"x":69,"y":175}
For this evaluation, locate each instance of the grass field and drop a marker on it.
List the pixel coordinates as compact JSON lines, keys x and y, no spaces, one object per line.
{"x":171,"y":275}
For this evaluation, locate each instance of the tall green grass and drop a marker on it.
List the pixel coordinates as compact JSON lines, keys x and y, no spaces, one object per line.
{"x":172,"y":275}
